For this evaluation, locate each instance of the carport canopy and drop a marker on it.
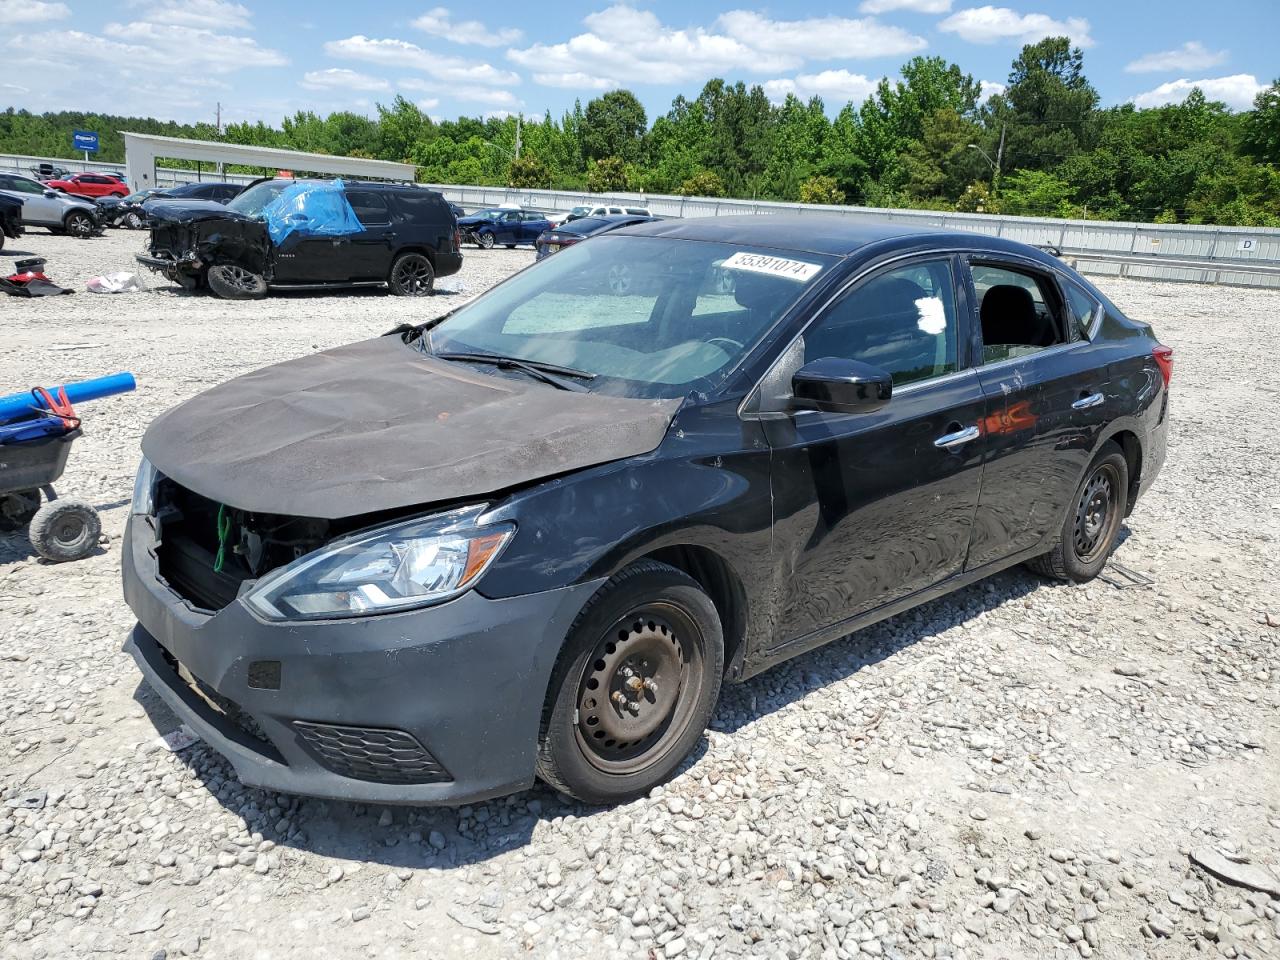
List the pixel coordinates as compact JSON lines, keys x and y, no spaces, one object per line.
{"x":142,"y":149}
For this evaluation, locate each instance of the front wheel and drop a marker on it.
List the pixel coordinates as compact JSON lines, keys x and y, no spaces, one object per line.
{"x":1092,"y":526}
{"x":485,"y":240}
{"x":411,"y":276}
{"x":133,"y":220}
{"x":234,"y":282}
{"x":79,"y":225}
{"x":634,"y":686}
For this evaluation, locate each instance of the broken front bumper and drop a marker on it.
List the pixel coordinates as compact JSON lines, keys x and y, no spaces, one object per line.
{"x":439,"y":705}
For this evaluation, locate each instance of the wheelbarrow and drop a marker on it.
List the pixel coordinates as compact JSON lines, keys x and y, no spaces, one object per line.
{"x":36,"y":434}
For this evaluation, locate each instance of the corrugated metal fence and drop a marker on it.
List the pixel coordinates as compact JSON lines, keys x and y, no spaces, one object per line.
{"x":1244,"y":256}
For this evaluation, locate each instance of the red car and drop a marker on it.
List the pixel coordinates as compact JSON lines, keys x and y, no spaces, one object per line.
{"x":90,"y":185}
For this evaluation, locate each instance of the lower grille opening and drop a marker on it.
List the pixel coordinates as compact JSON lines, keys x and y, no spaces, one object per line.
{"x":371,"y":754}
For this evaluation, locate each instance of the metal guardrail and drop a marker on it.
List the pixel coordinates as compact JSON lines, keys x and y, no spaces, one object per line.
{"x":1239,"y":256}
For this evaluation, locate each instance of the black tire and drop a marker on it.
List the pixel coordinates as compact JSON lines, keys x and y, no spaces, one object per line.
{"x":509,"y":246}
{"x":17,"y":509}
{"x":64,"y":530}
{"x":411,"y":276}
{"x":1093,"y":522}
{"x":655,"y":620}
{"x":78,"y":224}
{"x":484,"y":240}
{"x":234,"y":282}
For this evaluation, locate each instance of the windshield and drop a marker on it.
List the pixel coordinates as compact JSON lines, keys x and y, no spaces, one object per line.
{"x":648,"y":316}
{"x":251,"y":201}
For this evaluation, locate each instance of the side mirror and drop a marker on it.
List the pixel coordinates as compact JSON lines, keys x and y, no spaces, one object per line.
{"x":833,"y":385}
{"x":50,"y":194}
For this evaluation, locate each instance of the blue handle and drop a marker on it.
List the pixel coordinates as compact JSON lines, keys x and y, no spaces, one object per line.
{"x":19,"y":404}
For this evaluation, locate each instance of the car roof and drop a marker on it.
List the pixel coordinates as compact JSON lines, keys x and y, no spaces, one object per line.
{"x":822,"y":233}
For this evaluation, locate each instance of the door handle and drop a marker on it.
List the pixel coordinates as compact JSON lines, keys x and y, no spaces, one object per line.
{"x":950,"y":441}
{"x":1092,"y":400}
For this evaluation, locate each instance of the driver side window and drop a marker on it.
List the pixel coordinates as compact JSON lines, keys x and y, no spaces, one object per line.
{"x":1018,"y":310}
{"x":902,"y":321}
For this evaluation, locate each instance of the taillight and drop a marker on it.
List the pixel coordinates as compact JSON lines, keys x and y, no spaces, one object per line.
{"x":1163,"y":357}
{"x":457,"y":239}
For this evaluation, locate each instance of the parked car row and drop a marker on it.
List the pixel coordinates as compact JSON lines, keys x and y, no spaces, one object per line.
{"x":131,"y":211}
{"x":43,"y":206}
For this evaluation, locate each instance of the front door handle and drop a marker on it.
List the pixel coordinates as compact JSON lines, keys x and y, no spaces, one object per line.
{"x":950,"y":441}
{"x":1092,"y":400}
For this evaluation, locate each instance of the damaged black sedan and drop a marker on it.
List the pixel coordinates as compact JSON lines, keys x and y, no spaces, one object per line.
{"x":305,"y":235}
{"x":533,"y":537}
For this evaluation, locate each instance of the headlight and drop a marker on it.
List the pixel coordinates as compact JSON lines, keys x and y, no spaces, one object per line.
{"x":405,"y":565}
{"x":144,"y":488}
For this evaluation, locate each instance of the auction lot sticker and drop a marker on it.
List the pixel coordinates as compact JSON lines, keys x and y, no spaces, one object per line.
{"x":773,"y":266}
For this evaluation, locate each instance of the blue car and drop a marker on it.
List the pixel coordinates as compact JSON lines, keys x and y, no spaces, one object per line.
{"x":488,"y":228}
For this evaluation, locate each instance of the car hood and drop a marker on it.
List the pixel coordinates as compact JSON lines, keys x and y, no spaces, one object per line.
{"x":473,"y":221}
{"x":378,"y":425}
{"x":188,"y":211}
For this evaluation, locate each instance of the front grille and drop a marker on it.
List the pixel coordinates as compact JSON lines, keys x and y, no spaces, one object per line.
{"x":366,"y":753}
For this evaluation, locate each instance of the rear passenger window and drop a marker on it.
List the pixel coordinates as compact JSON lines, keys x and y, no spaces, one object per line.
{"x":902,"y":321}
{"x":1018,"y":310}
{"x":421,"y":207}
{"x":1082,"y":308}
{"x":370,"y":207}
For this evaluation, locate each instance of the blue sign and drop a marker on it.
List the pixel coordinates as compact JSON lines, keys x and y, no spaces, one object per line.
{"x":85,"y":140}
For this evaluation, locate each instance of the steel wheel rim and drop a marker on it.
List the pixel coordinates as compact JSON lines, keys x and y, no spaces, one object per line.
{"x":619,"y":278}
{"x":413,"y":275}
{"x":1096,"y":513}
{"x":638,"y":690}
{"x":238,"y":276}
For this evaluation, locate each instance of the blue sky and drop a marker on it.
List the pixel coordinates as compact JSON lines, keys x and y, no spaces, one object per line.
{"x":175,"y":59}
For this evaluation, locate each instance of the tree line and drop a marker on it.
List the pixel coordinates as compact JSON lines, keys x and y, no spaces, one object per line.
{"x":1043,"y":146}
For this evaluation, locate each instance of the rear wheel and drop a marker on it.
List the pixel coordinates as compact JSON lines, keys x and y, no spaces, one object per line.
{"x":78,"y":225}
{"x":64,"y":530}
{"x":634,"y":687}
{"x":1092,"y":526}
{"x":411,"y":276}
{"x":234,"y":282}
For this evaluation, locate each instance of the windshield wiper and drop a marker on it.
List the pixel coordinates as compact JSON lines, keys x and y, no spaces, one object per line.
{"x":550,"y":373}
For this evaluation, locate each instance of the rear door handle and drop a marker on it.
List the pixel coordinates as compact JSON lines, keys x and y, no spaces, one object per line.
{"x":949,"y":441}
{"x":1092,"y":400}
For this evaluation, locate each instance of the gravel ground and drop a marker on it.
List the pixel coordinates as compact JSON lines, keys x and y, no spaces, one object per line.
{"x":1019,"y":770}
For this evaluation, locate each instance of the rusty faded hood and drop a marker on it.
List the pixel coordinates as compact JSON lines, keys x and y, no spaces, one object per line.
{"x":377,"y":425}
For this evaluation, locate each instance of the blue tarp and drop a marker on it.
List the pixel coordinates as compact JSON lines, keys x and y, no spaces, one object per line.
{"x":311,"y":208}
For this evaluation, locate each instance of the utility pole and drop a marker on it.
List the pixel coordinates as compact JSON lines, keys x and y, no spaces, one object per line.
{"x":995,"y":179}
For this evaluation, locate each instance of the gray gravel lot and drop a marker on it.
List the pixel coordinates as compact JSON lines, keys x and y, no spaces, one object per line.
{"x":1023,"y":769}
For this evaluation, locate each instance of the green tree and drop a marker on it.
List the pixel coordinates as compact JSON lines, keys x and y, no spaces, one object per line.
{"x":1047,"y":110}
{"x":940,"y":165}
{"x":1037,"y":193}
{"x":401,"y":127}
{"x":528,"y":172}
{"x":704,"y":183}
{"x":1262,"y":126}
{"x":606,"y":175}
{"x":614,"y":126}
{"x":821,"y":189}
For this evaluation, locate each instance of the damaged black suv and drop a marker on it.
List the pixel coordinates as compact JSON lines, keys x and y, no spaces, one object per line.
{"x":399,"y":235}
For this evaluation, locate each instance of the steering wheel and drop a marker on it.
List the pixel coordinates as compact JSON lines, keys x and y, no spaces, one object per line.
{"x":729,"y":340}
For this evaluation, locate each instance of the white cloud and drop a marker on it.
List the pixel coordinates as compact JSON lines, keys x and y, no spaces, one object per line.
{"x":206,"y":14}
{"x":429,"y":103}
{"x":401,"y":53}
{"x":33,"y":11}
{"x":834,"y":86}
{"x":340,"y":78}
{"x":573,"y":81}
{"x":991,"y":88}
{"x":821,"y":38}
{"x":623,"y":45}
{"x":150,"y":47}
{"x":1190,"y":56}
{"x":993,"y":24}
{"x":1237,"y":91}
{"x":468,"y":94}
{"x":916,"y":6}
{"x":438,"y":22}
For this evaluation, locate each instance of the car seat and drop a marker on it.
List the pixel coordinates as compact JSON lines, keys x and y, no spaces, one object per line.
{"x":1009,"y":317}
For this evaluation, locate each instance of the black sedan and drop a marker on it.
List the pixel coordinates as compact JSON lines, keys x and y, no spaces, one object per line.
{"x":533,"y":537}
{"x":575,"y":231}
